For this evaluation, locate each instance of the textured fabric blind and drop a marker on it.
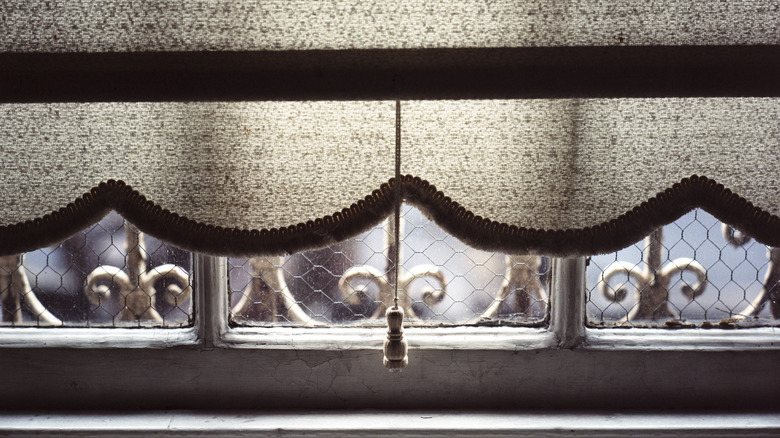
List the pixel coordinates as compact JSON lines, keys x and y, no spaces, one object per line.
{"x":556,"y":176}
{"x":545,"y":164}
{"x":237,"y":165}
{"x":563,"y":163}
{"x":194,"y":25}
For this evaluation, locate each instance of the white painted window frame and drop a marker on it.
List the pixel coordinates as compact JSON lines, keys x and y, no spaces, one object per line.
{"x":407,"y":424}
{"x":567,"y":328}
{"x":215,"y":366}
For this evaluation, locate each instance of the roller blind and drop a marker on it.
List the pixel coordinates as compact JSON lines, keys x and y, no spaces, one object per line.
{"x":554,"y":175}
{"x":187,"y":25}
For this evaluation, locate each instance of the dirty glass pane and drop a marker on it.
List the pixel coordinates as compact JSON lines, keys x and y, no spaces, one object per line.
{"x":108,"y":275}
{"x":442,"y":282}
{"x":695,"y":272}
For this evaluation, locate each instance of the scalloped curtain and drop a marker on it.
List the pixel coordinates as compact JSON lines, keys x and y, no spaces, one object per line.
{"x":514,"y":165}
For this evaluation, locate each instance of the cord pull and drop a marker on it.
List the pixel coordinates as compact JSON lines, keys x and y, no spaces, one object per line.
{"x":395,"y":344}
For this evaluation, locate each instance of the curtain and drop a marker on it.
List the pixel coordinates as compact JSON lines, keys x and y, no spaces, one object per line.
{"x":575,"y":172}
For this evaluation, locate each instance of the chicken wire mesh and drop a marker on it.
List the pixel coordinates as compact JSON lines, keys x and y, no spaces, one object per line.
{"x":442,"y":281}
{"x":108,"y":275}
{"x":694,"y":272}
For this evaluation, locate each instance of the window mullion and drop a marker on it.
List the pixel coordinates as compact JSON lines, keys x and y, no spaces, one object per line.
{"x":211,"y":298}
{"x":567,"y":301}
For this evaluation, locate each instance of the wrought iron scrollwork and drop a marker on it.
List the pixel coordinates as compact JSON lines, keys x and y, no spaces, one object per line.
{"x":770,"y":290}
{"x":652,"y":282}
{"x":522,"y":278}
{"x":352,"y":284}
{"x":269,"y":288}
{"x":16,"y":293}
{"x":137,"y":294}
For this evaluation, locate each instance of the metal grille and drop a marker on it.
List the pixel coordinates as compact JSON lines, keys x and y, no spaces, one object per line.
{"x":442,"y":282}
{"x":693,"y":272}
{"x":108,"y":275}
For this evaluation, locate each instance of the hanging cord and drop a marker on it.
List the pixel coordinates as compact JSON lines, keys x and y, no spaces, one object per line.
{"x":398,"y":198}
{"x":395,"y":347}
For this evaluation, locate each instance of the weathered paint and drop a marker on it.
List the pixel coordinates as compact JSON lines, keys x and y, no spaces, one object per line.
{"x":194,"y":378}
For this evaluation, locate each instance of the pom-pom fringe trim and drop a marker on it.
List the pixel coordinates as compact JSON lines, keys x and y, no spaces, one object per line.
{"x":479,"y":232}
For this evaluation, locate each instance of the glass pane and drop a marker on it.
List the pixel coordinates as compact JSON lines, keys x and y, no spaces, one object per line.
{"x":442,"y":282}
{"x":108,"y":275}
{"x":694,"y":272}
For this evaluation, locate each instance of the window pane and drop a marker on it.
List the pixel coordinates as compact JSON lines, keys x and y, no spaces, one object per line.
{"x":108,"y":275}
{"x":442,"y":282}
{"x":693,"y":272}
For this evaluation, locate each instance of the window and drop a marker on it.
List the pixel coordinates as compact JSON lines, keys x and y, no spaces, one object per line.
{"x":726,"y":280}
{"x":544,"y":128}
{"x":106,"y":276}
{"x":443,"y":282}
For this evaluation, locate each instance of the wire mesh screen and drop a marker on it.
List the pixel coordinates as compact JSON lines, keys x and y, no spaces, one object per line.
{"x":441,"y":281}
{"x":108,"y":275}
{"x":693,"y":272}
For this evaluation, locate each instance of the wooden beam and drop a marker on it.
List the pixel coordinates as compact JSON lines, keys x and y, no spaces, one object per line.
{"x":503,"y":73}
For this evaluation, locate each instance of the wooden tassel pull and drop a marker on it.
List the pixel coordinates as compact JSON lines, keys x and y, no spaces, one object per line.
{"x":395,"y":344}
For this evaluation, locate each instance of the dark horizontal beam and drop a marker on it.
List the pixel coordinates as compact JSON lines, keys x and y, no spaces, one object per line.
{"x":544,"y":72}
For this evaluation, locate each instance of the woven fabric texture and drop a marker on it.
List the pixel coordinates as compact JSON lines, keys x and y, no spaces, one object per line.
{"x":246,"y":165}
{"x":552,"y":164}
{"x":558,"y":164}
{"x":195,"y":25}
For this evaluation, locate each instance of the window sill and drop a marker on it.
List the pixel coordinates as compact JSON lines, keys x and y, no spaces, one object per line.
{"x":419,"y":338}
{"x":372,"y":338}
{"x":40,"y":337}
{"x":743,"y":339}
{"x":392,"y":423}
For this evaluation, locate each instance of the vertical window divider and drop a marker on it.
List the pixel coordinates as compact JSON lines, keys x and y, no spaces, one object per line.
{"x":211,"y":294}
{"x":567,"y":301}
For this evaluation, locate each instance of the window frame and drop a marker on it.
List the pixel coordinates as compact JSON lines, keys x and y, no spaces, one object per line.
{"x":566,"y":327}
{"x":410,"y":424}
{"x":562,"y":366}
{"x":565,"y":365}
